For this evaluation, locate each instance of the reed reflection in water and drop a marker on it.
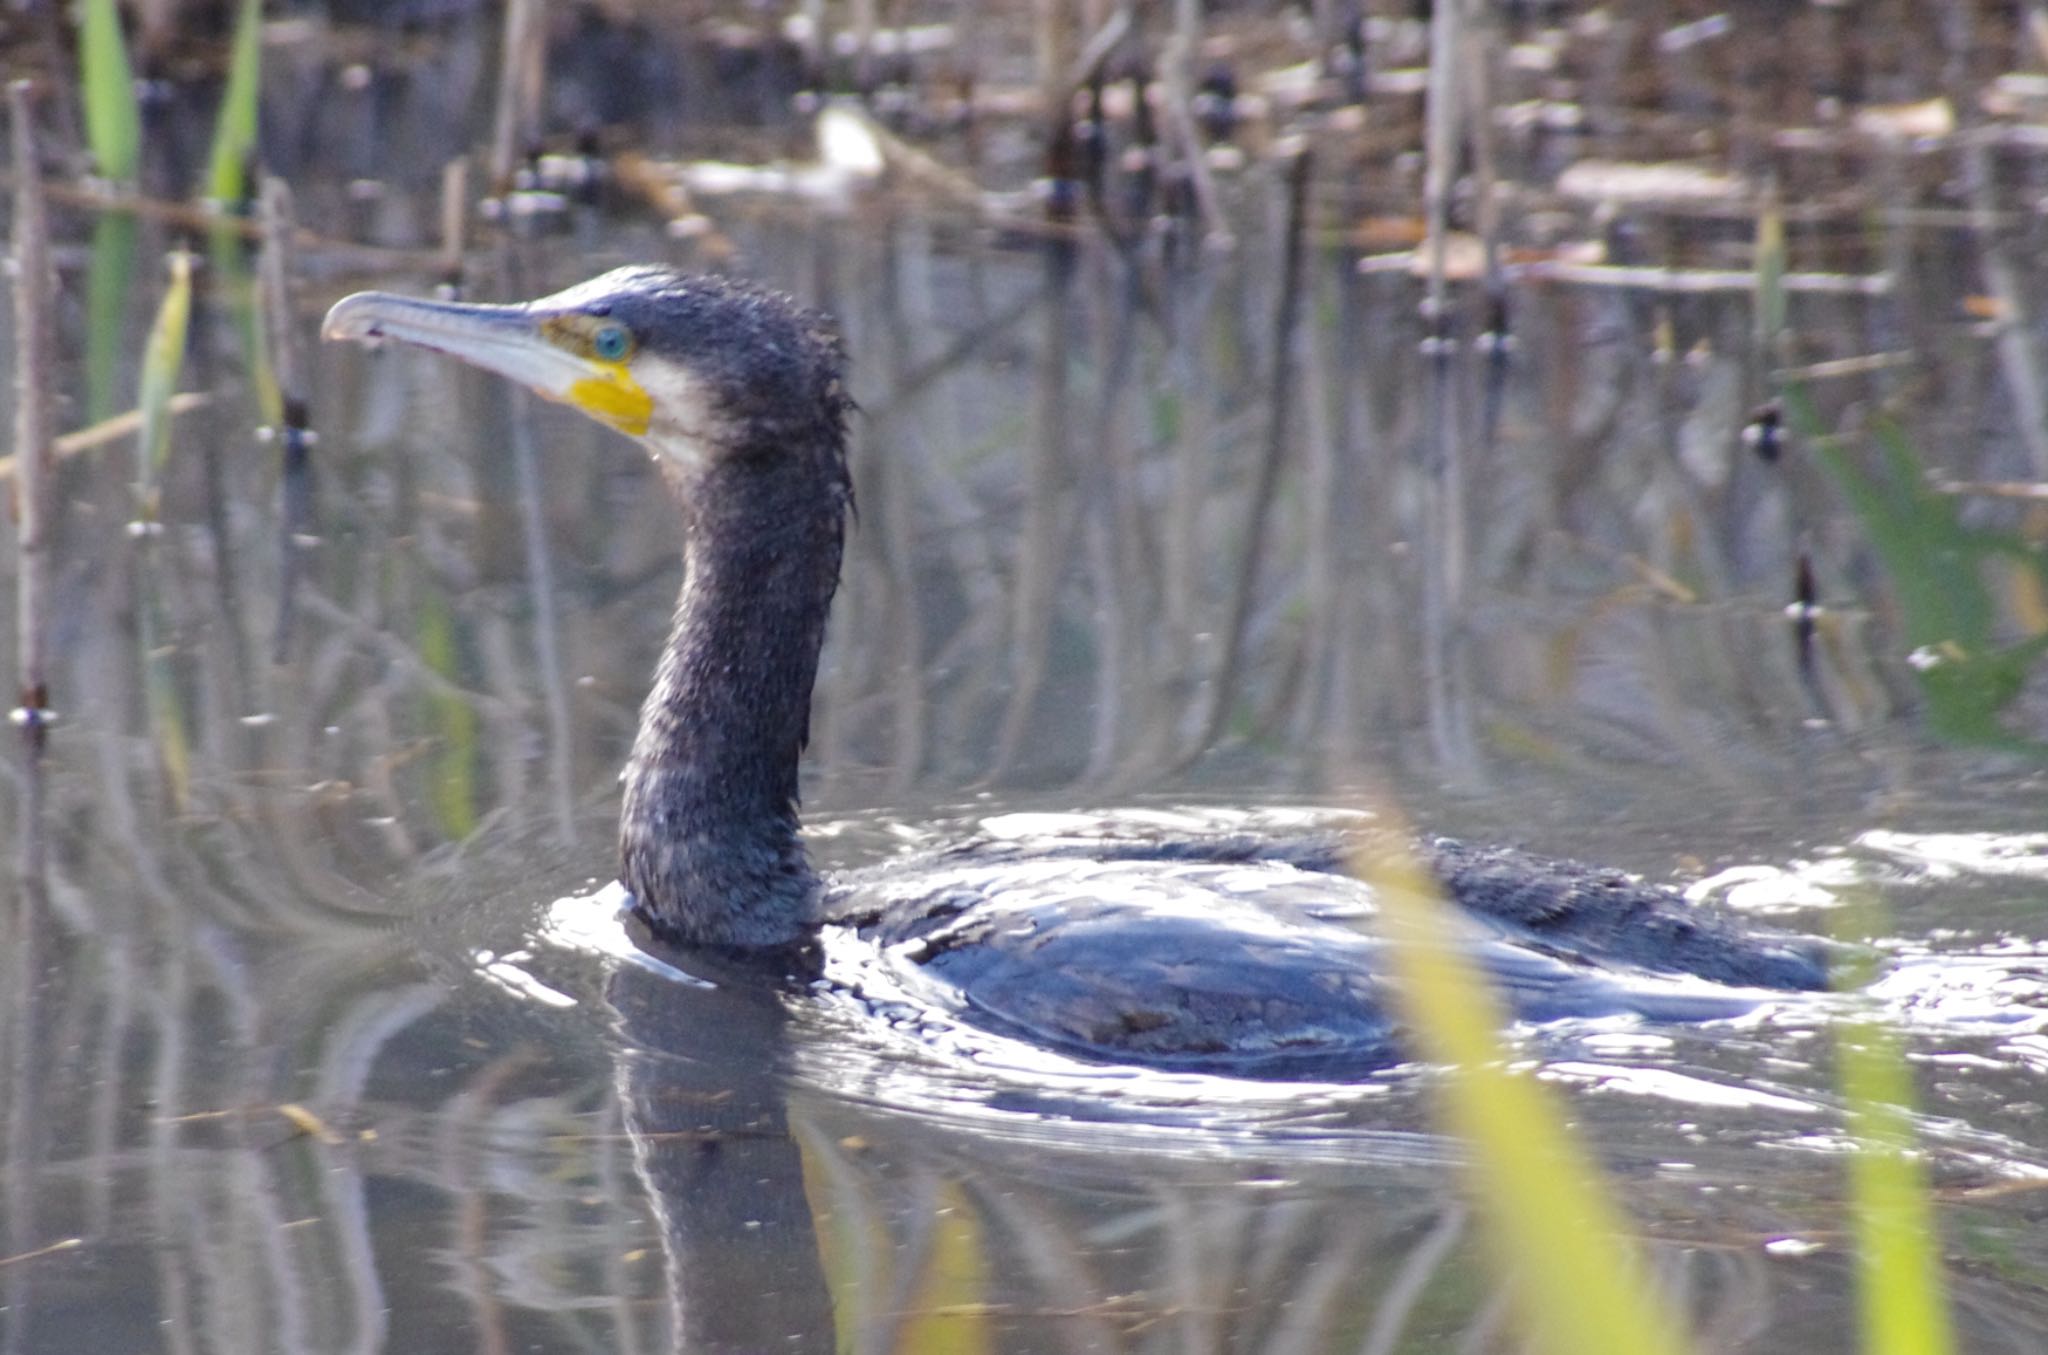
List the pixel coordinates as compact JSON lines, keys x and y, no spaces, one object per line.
{"x":1141,"y":518}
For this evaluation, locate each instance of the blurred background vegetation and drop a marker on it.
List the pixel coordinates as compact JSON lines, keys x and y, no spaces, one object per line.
{"x":1615,"y":428}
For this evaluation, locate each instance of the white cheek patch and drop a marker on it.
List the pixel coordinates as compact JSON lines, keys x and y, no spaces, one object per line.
{"x":686,"y":427}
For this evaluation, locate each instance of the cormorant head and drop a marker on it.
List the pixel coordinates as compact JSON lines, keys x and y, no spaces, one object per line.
{"x":703,"y":370}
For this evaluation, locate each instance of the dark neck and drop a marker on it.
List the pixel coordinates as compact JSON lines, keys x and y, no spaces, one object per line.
{"x":709,"y":835}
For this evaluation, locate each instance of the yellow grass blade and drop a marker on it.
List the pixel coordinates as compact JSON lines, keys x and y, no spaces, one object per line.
{"x":1579,"y":1287}
{"x":163,"y":360}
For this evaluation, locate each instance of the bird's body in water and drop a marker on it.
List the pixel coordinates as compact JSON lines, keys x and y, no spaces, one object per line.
{"x":1229,"y":952}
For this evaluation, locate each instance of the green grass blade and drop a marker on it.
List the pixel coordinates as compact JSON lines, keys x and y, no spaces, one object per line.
{"x":1902,"y":1299}
{"x":453,"y":789}
{"x":163,"y":360}
{"x":1770,"y":280}
{"x":233,"y":289}
{"x":234,"y":136}
{"x":1578,"y":1286}
{"x":167,"y":726}
{"x":1936,"y":560}
{"x":948,"y":1312}
{"x":113,"y":115}
{"x":1901,"y":1295}
{"x":108,"y":278}
{"x":853,"y":1244}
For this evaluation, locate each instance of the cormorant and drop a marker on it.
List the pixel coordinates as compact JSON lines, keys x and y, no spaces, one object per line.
{"x":1228,"y":952}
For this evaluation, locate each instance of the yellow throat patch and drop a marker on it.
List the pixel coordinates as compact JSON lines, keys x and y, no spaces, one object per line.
{"x":612,"y":396}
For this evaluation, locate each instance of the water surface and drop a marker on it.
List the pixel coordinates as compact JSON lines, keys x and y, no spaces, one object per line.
{"x":303,"y":1052}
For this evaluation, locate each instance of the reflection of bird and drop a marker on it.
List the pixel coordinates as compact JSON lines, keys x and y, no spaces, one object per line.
{"x":1225,"y":952}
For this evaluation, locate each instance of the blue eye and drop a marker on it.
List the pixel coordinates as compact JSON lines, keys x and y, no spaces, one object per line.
{"x":611,"y":342}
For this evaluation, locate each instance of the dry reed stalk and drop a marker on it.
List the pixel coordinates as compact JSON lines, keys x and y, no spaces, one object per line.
{"x":1279,"y":406}
{"x":34,"y":351}
{"x":522,"y":73}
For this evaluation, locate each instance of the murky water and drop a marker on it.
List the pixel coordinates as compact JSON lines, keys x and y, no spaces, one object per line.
{"x":302,"y":1053}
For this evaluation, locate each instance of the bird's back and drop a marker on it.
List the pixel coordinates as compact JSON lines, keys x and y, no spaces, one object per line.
{"x":1240,"y":954}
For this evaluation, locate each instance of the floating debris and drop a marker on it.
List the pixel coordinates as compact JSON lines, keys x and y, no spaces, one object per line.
{"x":1685,"y":36}
{"x":1927,"y":120}
{"x":1616,"y":182}
{"x":309,"y":1124}
{"x":62,"y":1245}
